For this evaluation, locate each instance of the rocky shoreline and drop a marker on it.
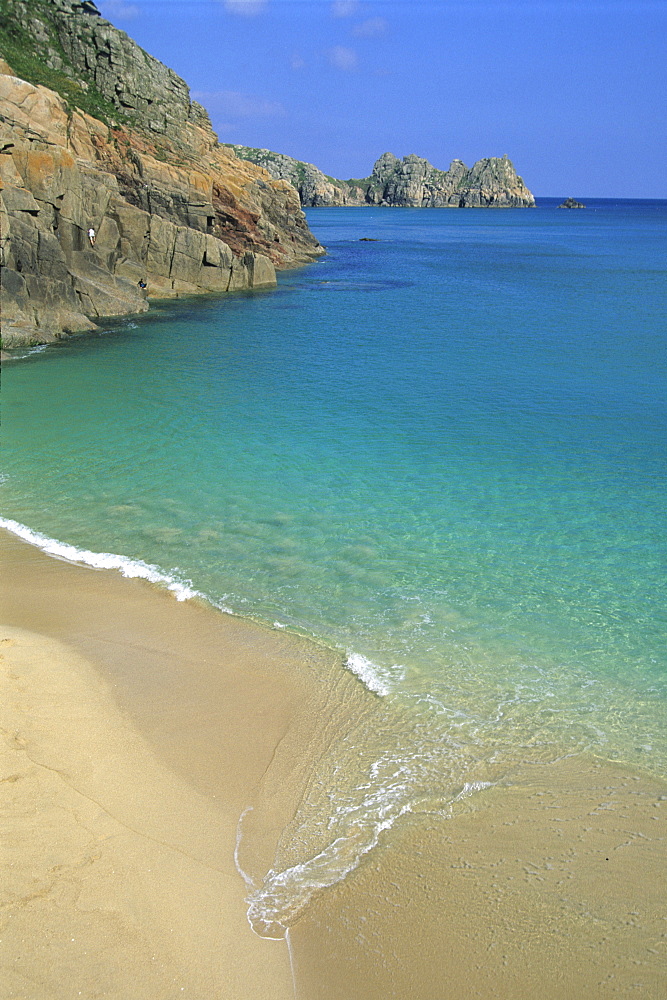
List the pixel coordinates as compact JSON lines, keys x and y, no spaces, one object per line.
{"x":171,"y":209}
{"x":114,"y":188}
{"x":412,"y":182}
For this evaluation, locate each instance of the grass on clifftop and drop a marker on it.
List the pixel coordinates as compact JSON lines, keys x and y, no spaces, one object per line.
{"x":263,"y":156}
{"x":28,"y":59}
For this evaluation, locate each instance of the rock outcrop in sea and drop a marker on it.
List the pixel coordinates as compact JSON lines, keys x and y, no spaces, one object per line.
{"x":408,"y":183}
{"x":97,"y":134}
{"x":572,"y":203}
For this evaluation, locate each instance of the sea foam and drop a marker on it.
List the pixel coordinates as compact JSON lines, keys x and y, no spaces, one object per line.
{"x":36,"y":349}
{"x":283,"y":896}
{"x":376,"y":678}
{"x":131,"y":568}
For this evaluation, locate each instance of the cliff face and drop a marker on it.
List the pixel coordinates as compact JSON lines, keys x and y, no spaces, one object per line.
{"x":170,"y":207}
{"x":408,"y":183}
{"x":315,"y":188}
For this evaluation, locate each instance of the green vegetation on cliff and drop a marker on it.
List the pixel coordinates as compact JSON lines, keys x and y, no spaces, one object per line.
{"x":411,"y":182}
{"x":172,"y":212}
{"x":30,"y":44}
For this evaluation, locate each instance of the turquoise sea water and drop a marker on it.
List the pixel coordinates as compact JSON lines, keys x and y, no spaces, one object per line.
{"x":442,"y":450}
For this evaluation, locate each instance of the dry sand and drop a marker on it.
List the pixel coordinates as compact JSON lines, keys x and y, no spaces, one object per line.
{"x":136,"y":730}
{"x":118,"y":880}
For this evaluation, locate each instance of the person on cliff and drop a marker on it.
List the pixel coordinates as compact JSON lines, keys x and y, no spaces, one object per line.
{"x":91,"y":236}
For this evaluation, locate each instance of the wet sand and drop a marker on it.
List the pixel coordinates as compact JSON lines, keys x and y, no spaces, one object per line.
{"x":549,"y":887}
{"x":136,"y":731}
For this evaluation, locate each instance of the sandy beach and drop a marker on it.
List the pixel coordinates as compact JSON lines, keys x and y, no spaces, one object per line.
{"x":332,"y":538}
{"x":137,"y":730}
{"x":123,"y":783}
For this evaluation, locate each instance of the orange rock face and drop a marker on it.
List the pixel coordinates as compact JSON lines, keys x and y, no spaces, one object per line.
{"x":179,"y":216}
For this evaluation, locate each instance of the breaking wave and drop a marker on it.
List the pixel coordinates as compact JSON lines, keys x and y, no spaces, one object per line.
{"x":131,"y":568}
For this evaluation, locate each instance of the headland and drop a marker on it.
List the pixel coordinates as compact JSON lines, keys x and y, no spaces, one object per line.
{"x":154,"y":752}
{"x":114,"y":189}
{"x":113,"y":186}
{"x":411,"y":182}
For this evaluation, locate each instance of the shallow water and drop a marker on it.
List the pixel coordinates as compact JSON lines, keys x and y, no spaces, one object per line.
{"x":442,"y":452}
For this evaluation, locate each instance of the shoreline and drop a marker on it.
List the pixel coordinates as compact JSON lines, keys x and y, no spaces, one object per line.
{"x":117,"y":877}
{"x":548,"y":885}
{"x":157,"y":303}
{"x":153,"y":723}
{"x":139,"y":730}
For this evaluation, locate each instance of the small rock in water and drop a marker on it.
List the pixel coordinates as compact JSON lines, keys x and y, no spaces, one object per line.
{"x":572,"y":203}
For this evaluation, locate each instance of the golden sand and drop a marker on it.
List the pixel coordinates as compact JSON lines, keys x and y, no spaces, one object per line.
{"x":136,"y":731}
{"x":118,"y":881}
{"x":551,"y":887}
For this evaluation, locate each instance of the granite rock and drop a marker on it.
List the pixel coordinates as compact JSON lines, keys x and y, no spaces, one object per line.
{"x":409,"y":183}
{"x":572,"y":203}
{"x":170,"y":206}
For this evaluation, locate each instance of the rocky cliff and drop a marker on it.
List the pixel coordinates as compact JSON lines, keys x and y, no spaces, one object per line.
{"x":408,"y":183}
{"x":95,"y":133}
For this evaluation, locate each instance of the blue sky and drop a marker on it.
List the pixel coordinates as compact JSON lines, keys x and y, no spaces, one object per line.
{"x":574,"y":93}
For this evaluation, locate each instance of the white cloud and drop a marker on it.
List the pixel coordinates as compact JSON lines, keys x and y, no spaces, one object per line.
{"x":247,"y":8}
{"x":119,"y":10}
{"x":297,"y":62}
{"x":344,"y":8}
{"x":343,"y":58}
{"x":373,"y":27}
{"x":238,"y":105}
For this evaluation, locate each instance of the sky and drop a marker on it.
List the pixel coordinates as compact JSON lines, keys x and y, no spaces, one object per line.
{"x":573,"y":92}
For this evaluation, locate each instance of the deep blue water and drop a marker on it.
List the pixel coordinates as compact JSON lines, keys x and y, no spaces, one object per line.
{"x":441,"y":450}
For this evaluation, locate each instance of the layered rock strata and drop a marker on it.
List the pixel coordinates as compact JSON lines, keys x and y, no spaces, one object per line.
{"x":408,"y":183}
{"x":171,"y":208}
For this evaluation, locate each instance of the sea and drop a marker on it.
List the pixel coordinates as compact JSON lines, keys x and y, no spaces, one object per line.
{"x":439,"y":450}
